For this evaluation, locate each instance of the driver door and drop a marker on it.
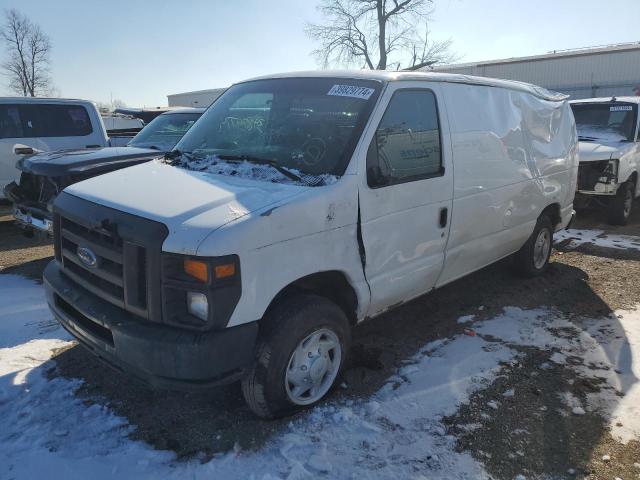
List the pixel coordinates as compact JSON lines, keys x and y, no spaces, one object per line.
{"x":405,"y":203}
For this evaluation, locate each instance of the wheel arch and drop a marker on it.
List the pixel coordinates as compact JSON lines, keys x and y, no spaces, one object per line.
{"x":553,"y":212}
{"x":333,"y":285}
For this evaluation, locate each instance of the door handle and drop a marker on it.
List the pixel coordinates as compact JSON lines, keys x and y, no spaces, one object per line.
{"x":444,"y":217}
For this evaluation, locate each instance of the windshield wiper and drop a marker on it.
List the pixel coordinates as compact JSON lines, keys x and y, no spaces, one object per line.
{"x":173,"y":156}
{"x":261,"y":161}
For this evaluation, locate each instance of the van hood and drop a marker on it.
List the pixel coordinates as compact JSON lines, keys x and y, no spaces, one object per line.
{"x":95,"y":160}
{"x":191,"y":204}
{"x":595,"y":151}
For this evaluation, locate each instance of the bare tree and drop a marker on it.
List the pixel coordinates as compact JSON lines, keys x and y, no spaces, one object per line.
{"x":28,"y":48}
{"x":378,"y":34}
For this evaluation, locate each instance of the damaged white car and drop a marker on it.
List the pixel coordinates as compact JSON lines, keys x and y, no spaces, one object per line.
{"x":297,"y":206}
{"x":609,"y":154}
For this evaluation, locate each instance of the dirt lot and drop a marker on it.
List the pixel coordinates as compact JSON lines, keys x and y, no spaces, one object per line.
{"x":587,"y":281}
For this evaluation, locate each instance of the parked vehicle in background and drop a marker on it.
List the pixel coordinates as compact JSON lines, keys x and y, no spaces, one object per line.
{"x":45,"y":175}
{"x":297,"y":206}
{"x":120,"y":128}
{"x":608,"y":130}
{"x":31,"y":125}
{"x":144,"y":114}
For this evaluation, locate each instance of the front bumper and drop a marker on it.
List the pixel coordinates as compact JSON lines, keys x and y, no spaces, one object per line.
{"x":35,"y":218}
{"x":163,"y":356}
{"x":608,"y":189}
{"x":29,"y":214}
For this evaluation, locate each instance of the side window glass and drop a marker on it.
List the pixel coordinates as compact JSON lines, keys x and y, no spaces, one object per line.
{"x":406,"y":145}
{"x":10,"y":122}
{"x":64,"y":121}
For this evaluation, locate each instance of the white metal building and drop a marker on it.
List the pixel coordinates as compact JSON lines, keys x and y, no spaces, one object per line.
{"x":199,"y":98}
{"x":612,"y":70}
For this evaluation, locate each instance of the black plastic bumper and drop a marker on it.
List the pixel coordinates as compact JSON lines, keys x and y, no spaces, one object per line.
{"x":163,"y":356}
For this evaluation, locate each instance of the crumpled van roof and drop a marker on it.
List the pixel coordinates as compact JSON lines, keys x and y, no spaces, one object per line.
{"x":391,"y":76}
{"x":608,"y":100}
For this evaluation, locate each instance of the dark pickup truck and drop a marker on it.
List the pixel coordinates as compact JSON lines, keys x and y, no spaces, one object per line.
{"x":44,"y":175}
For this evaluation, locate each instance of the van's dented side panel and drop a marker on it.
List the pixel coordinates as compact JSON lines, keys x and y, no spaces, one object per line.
{"x":514,"y":154}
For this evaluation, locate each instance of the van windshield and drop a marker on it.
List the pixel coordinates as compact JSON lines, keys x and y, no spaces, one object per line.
{"x":614,"y":122}
{"x":290,"y":130}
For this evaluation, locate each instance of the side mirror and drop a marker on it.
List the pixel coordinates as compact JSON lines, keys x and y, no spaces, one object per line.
{"x":23,"y":150}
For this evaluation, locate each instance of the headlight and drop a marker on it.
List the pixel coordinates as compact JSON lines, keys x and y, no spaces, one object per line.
{"x":199,"y":292}
{"x":610,"y":173}
{"x":198,"y":305}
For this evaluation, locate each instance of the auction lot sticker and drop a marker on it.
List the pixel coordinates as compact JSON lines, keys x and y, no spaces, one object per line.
{"x":351,"y":91}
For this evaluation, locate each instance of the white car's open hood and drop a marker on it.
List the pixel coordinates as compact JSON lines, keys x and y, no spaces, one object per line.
{"x":191,"y":204}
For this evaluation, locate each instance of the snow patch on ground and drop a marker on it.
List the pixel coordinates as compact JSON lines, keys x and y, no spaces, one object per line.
{"x":466,"y":319}
{"x":610,"y":347}
{"x":598,"y":238}
{"x":49,"y":432}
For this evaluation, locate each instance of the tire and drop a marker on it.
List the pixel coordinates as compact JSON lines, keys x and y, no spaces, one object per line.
{"x":620,"y":205}
{"x":267,"y":388}
{"x":533,"y":258}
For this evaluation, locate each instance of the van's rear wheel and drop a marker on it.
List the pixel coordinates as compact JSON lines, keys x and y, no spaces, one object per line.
{"x":533,"y":258}
{"x":620,"y":205}
{"x":301,"y":350}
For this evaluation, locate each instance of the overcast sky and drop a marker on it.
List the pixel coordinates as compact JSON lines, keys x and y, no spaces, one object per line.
{"x":140,"y":51}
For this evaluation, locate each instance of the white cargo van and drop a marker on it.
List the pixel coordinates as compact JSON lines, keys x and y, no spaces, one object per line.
{"x":297,"y":206}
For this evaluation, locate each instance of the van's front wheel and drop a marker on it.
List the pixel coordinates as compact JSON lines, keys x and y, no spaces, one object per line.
{"x":533,"y":258}
{"x":301,"y":350}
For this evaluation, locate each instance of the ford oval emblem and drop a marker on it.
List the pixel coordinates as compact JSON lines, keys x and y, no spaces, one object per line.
{"x":87,"y":257}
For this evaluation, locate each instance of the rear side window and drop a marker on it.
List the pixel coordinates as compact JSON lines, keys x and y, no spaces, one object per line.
{"x":38,"y":120}
{"x":10,"y":122}
{"x":406,"y":145}
{"x":64,"y":121}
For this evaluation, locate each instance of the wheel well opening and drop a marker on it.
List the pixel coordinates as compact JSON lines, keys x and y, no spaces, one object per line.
{"x":553,"y":212}
{"x":332,"y":285}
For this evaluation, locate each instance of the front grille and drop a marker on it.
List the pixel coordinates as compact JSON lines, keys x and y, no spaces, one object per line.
{"x":127,"y":249}
{"x":119,"y":275}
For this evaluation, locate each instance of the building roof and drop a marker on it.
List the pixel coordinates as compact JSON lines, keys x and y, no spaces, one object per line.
{"x":390,"y":76}
{"x":196,"y":92}
{"x":576,"y":52}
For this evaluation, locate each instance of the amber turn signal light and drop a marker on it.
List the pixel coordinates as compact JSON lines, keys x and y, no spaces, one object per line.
{"x":197,"y":269}
{"x":225,"y":271}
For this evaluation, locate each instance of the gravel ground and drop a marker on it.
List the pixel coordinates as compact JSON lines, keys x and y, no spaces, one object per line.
{"x":18,"y":253}
{"x":583,"y":281}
